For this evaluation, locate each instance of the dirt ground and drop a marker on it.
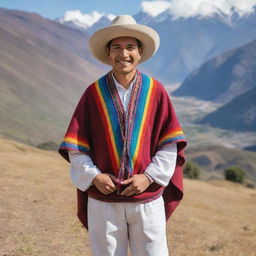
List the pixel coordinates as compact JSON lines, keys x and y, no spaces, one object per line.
{"x":38,"y":211}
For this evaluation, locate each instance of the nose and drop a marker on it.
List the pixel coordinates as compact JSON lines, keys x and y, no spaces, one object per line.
{"x":124,"y":52}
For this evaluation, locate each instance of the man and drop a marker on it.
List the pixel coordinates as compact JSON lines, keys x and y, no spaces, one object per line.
{"x":125,"y":146}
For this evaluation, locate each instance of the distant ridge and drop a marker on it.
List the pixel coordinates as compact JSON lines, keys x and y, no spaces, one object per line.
{"x":224,"y":77}
{"x":239,"y":114}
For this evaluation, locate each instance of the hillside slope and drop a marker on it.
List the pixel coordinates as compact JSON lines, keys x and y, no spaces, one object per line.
{"x":224,"y":77}
{"x":43,"y":72}
{"x":38,"y":211}
{"x":213,"y":160}
{"x":238,"y":114}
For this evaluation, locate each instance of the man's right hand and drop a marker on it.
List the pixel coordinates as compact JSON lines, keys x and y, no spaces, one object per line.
{"x":104,"y":183}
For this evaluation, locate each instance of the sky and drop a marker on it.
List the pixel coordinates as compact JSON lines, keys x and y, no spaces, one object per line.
{"x":56,"y":8}
{"x":91,"y":10}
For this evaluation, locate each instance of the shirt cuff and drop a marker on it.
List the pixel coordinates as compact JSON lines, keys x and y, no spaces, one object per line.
{"x":82,"y":170}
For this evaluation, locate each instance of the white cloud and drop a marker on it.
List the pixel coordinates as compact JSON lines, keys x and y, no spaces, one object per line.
{"x":154,"y":8}
{"x":189,"y":8}
{"x":82,"y":19}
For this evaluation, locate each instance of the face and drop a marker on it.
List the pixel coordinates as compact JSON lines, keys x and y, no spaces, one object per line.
{"x":124,"y":54}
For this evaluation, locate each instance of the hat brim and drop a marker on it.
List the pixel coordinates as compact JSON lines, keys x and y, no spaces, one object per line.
{"x":148,"y":37}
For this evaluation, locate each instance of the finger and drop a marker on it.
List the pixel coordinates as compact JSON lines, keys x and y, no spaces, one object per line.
{"x":112,"y":177}
{"x":128,"y":181}
{"x":128,"y":191}
{"x":110,"y":189}
{"x":104,"y":191}
{"x":110,"y":182}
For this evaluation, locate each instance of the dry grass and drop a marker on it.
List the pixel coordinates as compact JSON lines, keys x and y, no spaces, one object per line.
{"x":38,"y":211}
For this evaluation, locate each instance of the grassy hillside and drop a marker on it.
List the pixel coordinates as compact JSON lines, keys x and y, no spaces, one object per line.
{"x":213,"y":160}
{"x":38,"y":211}
{"x":43,"y":72}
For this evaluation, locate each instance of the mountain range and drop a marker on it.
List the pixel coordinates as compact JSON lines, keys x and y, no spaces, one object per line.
{"x":224,"y":77}
{"x":228,"y":79}
{"x":186,"y":43}
{"x":45,"y":66}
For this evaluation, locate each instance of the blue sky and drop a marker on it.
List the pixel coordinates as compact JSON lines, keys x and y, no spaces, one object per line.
{"x":56,"y":8}
{"x":178,"y":8}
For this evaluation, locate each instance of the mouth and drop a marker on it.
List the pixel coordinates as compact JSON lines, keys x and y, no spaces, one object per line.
{"x":124,"y":62}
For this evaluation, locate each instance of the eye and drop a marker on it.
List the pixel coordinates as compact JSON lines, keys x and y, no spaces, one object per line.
{"x":131,"y":47}
{"x":115,"y":47}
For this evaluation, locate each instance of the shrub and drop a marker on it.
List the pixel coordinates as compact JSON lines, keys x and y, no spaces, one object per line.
{"x":49,"y":145}
{"x":191,"y":171}
{"x":234,"y":174}
{"x":250,"y":185}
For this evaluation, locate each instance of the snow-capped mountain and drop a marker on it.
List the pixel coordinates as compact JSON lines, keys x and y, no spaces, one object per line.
{"x":186,"y":43}
{"x":83,"y":21}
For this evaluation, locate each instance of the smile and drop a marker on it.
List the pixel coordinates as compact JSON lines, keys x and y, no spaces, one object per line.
{"x":124,"y":62}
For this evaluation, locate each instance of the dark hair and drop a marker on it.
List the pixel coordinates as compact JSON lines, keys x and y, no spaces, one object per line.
{"x":139,"y":43}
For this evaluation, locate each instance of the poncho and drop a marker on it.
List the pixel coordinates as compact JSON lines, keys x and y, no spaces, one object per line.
{"x":123,"y":144}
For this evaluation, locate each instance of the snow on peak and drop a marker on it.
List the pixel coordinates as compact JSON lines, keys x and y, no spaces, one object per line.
{"x":201,"y":8}
{"x":155,"y":7}
{"x":83,"y":20}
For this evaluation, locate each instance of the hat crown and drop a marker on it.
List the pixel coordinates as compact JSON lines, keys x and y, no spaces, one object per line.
{"x":123,"y":20}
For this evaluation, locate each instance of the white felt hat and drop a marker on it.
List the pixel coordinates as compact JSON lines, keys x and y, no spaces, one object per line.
{"x":124,"y":26}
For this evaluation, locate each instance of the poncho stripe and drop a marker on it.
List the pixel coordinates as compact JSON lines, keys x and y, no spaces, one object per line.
{"x":142,"y":114}
{"x":73,"y":143}
{"x":109,"y":114}
{"x":172,"y":136}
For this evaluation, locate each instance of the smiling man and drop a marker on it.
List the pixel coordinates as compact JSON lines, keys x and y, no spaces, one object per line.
{"x":125,"y":146}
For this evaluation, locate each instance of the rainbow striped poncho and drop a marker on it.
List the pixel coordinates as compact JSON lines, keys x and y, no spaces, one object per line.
{"x":123,"y":144}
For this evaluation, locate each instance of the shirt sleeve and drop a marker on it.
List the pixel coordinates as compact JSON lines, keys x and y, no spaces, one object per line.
{"x":82,"y":170}
{"x":163,"y":164}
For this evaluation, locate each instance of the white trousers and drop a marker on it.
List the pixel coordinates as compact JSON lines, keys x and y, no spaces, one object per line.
{"x":112,"y":226}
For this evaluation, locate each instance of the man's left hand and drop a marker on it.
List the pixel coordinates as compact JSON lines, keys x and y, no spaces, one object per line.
{"x":138,"y":184}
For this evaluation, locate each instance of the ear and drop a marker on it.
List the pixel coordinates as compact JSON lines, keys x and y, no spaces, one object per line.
{"x":140,"y":52}
{"x":107,"y":50}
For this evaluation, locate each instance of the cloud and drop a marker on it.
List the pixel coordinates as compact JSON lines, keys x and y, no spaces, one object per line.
{"x":190,"y":8}
{"x":82,"y":19}
{"x":154,"y":8}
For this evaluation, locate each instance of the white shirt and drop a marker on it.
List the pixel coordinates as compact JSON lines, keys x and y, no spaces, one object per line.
{"x":160,"y":170}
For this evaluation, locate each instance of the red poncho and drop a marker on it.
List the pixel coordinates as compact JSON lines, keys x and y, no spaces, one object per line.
{"x":123,"y":144}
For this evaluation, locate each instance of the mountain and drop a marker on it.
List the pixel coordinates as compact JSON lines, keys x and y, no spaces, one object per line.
{"x":239,"y":114}
{"x":44,"y":68}
{"x":101,"y":23}
{"x":243,"y":31}
{"x":186,"y":43}
{"x":85,"y":22}
{"x":224,"y":77}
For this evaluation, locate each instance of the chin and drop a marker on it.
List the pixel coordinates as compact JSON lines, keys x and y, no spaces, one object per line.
{"x":126,"y":72}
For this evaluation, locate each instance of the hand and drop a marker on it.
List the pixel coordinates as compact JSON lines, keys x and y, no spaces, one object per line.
{"x":104,"y":182}
{"x":138,"y":184}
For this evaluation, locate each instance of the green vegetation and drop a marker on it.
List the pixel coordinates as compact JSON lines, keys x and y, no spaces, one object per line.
{"x":234,"y":174}
{"x":49,"y":145}
{"x":191,"y":171}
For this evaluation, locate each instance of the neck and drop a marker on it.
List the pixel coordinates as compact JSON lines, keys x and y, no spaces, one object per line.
{"x":124,"y":79}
